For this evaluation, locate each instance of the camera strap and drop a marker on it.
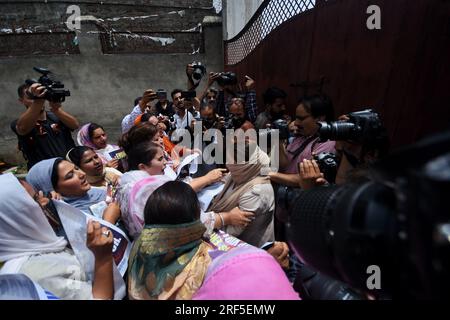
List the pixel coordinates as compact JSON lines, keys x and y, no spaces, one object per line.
{"x":303,"y":146}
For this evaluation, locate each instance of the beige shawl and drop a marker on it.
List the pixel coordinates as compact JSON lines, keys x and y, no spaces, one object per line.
{"x":241,"y":179}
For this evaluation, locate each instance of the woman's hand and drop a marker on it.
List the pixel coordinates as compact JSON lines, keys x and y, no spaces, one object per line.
{"x":310,"y":175}
{"x":114,"y":163}
{"x":280,"y":251}
{"x":237,"y":217}
{"x":55,"y":195}
{"x":112,"y":213}
{"x":215,"y":175}
{"x":99,"y":240}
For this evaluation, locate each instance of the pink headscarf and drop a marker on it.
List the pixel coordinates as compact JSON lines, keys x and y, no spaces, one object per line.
{"x":134,"y":190}
{"x":83,"y":137}
{"x":246,"y":273}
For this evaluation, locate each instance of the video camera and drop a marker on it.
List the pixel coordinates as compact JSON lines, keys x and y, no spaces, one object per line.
{"x":398,"y":223}
{"x":362,"y":126}
{"x":55,"y":89}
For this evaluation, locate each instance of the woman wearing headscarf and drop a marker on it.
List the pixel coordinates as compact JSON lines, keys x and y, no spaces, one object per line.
{"x":171,"y":260}
{"x":29,"y":245}
{"x":71,"y":183}
{"x":93,"y":135}
{"x":98,"y":175}
{"x":147,"y":164}
{"x":250,"y":191}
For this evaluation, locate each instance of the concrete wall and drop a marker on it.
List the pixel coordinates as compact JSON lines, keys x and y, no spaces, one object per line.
{"x":236,"y":15}
{"x":103,"y":87}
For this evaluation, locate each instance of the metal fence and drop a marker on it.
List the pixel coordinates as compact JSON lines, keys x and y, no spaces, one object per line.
{"x":270,"y":15}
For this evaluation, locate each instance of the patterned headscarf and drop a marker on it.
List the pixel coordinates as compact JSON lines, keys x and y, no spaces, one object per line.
{"x":168,"y":262}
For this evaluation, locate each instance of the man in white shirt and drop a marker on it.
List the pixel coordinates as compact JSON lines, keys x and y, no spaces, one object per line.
{"x":183,"y":119}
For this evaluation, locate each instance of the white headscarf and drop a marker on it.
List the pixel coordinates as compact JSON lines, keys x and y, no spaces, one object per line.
{"x":40,"y":175}
{"x":24,"y":230}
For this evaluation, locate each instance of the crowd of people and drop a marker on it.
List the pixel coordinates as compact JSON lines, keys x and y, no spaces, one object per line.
{"x":230,"y":246}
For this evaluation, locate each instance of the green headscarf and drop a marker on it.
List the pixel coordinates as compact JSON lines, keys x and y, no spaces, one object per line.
{"x":161,"y":253}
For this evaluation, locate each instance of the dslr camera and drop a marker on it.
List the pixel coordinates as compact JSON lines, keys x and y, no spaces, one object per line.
{"x":226,"y":79}
{"x":362,"y":127}
{"x":328,"y":164}
{"x":281,"y":125}
{"x":198,"y":73}
{"x":55,"y":88}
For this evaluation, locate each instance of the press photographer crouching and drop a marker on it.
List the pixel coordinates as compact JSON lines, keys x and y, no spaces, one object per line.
{"x":387,"y":237}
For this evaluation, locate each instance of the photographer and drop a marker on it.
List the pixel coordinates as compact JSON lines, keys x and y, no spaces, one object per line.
{"x":227,"y":92}
{"x":238,"y":117}
{"x":141,"y":107}
{"x":275,"y":108}
{"x":163,"y":106}
{"x":42,"y":134}
{"x":210,"y":119}
{"x":308,"y":113}
{"x":386,"y":236}
{"x":356,"y":155}
{"x":183,"y":118}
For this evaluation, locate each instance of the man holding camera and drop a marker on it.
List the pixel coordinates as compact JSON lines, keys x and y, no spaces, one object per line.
{"x":183,"y":118}
{"x":163,"y":107}
{"x":275,"y":103}
{"x":42,"y":134}
{"x":142,"y":106}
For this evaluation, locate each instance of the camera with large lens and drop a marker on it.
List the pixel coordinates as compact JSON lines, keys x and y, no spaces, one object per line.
{"x":233,"y":122}
{"x":199,"y":71}
{"x":362,"y":126}
{"x":387,"y":236}
{"x":227,"y":79}
{"x":55,"y":88}
{"x":328,"y":164}
{"x":283,"y":127}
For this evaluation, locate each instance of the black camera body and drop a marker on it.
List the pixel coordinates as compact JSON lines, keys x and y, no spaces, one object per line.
{"x":328,"y":164}
{"x":283,"y":127}
{"x":283,"y":131}
{"x":229,"y":122}
{"x":227,"y":79}
{"x":55,"y":88}
{"x":362,"y":127}
{"x":199,"y":72}
{"x":188,"y":95}
{"x":161,"y":94}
